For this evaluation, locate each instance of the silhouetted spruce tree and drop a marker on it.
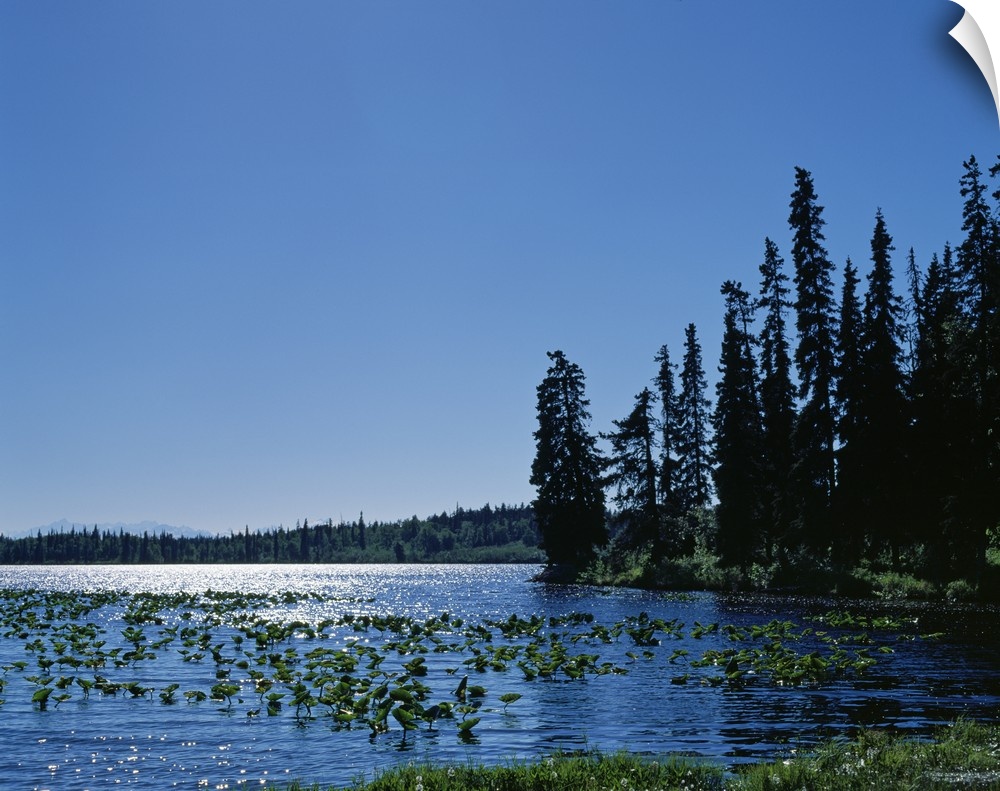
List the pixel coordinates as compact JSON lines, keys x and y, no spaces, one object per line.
{"x":694,"y":473}
{"x":566,"y":471}
{"x":813,"y":438}
{"x":633,"y":472}
{"x":777,"y":396}
{"x":884,"y":409}
{"x":976,"y":346}
{"x":989,"y":335}
{"x":912,"y":313}
{"x":739,"y":451}
{"x":939,"y":312}
{"x":849,"y":537}
{"x":938,"y":448}
{"x":667,"y":484}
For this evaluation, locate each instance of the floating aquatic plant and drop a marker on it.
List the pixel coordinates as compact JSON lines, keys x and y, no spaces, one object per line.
{"x":256,"y":646}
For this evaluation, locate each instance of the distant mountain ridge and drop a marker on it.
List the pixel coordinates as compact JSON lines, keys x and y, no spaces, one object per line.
{"x":135,"y":528}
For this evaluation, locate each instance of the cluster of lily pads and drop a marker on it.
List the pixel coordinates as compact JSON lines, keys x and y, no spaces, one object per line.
{"x":254,"y":654}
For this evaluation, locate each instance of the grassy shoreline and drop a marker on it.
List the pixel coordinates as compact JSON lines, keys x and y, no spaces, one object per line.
{"x":701,"y":570}
{"x":963,"y":755}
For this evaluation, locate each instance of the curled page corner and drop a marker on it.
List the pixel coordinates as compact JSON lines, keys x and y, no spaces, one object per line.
{"x":978,"y":31}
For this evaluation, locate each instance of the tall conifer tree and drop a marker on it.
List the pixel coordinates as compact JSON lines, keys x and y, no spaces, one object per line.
{"x":694,"y":474}
{"x":814,"y":468}
{"x":667,"y":485}
{"x":938,"y":446}
{"x":848,"y":508}
{"x":883,"y":407}
{"x":912,"y":312}
{"x":777,"y":396}
{"x":634,"y":472}
{"x":739,"y":451}
{"x":977,"y":345}
{"x":569,"y":506}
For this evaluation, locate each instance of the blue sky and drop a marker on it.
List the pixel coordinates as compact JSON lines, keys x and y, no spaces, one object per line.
{"x":267,"y":261}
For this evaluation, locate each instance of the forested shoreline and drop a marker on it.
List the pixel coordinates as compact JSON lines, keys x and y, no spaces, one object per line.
{"x":853,"y":444}
{"x":501,"y":534}
{"x":853,"y":434}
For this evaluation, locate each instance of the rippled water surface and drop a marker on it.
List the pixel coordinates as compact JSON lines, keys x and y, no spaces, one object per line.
{"x":655,"y":702}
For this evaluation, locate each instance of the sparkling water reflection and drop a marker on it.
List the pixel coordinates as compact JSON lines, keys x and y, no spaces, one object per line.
{"x":96,"y":742}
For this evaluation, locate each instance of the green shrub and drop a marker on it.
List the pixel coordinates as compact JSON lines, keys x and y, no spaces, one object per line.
{"x":616,"y":565}
{"x":960,"y":590}
{"x":893,"y":585}
{"x":762,"y":577}
{"x":698,"y":571}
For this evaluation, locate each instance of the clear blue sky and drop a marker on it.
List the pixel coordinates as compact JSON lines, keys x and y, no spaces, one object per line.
{"x":266,"y":261}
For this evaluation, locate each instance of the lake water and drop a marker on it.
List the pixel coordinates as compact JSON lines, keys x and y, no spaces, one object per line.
{"x":658,"y":700}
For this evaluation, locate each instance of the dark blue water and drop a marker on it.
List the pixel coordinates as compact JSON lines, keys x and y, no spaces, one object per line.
{"x":103,"y":741}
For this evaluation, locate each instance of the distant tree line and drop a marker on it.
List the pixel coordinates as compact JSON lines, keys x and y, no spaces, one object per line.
{"x":489,"y":534}
{"x":867,"y":429}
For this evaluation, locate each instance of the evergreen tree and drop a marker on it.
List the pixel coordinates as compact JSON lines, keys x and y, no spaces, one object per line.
{"x":977,"y":254}
{"x":739,"y":451}
{"x":976,"y":347}
{"x":813,"y":439}
{"x":988,"y":319}
{"x":666,"y":486}
{"x":939,"y":311}
{"x":912,"y":326}
{"x":883,"y":409}
{"x":634,"y":471}
{"x":849,"y":537}
{"x":694,"y":473}
{"x":777,"y":396}
{"x":566,"y":471}
{"x":938,"y":449}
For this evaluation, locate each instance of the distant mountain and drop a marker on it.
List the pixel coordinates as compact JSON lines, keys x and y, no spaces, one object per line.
{"x":65,"y":525}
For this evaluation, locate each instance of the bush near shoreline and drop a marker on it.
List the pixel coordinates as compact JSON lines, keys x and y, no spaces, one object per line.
{"x":702,"y":570}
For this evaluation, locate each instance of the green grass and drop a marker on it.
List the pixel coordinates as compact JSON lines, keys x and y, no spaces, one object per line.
{"x":964,"y":755}
{"x":701,"y":570}
{"x":617,"y":772}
